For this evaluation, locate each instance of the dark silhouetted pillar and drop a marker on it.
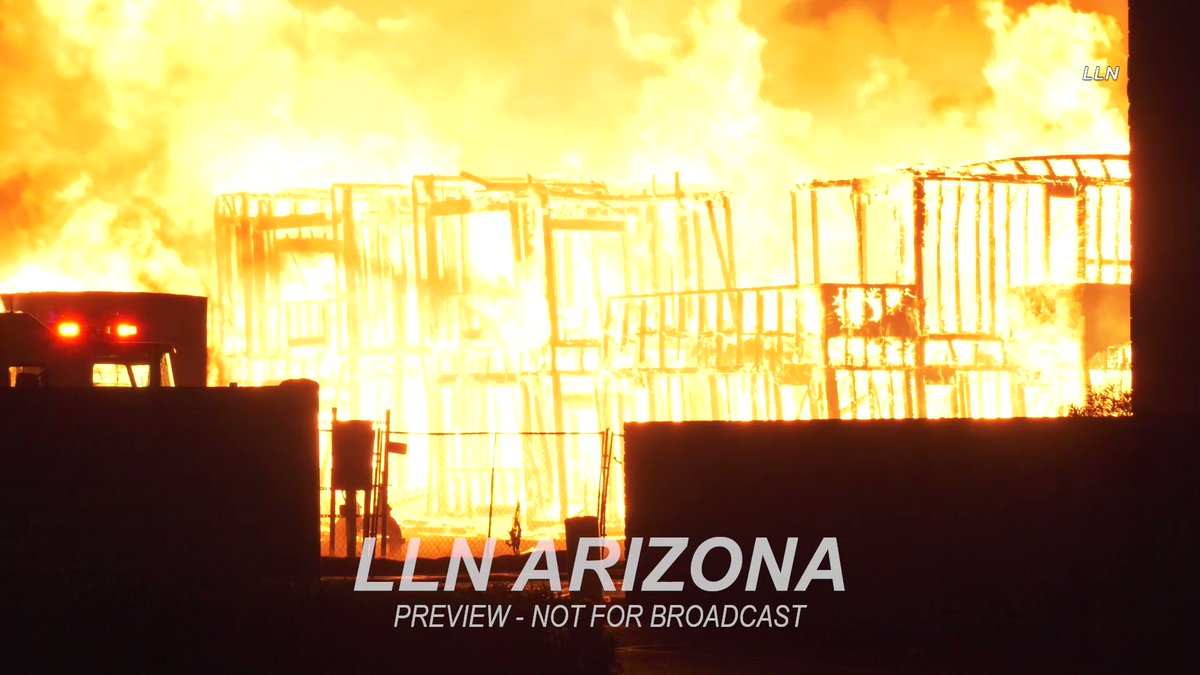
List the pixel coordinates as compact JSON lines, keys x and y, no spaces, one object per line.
{"x":1166,"y":209}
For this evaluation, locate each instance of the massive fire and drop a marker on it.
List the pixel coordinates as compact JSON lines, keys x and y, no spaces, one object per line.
{"x":724,"y":210}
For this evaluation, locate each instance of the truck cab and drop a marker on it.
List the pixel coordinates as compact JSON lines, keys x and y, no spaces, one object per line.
{"x":73,"y":354}
{"x":142,"y":364}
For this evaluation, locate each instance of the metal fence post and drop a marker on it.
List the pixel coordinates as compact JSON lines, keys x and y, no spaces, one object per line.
{"x":492,"y":492}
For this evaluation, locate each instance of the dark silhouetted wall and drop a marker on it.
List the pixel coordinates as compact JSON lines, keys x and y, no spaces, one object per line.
{"x":187,"y":483}
{"x":941,"y":525}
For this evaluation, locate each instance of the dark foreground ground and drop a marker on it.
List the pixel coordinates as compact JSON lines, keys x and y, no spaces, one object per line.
{"x":818,"y":652}
{"x":817,"y":645}
{"x":278,"y":628}
{"x":327,"y":627}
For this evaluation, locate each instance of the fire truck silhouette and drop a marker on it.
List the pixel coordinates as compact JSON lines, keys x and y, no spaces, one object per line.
{"x":101,"y":340}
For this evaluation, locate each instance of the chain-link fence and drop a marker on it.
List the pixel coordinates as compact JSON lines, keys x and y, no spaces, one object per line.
{"x":517,"y":487}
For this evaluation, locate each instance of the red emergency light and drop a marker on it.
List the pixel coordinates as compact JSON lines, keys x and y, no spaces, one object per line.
{"x":126,"y":330}
{"x":69,"y":330}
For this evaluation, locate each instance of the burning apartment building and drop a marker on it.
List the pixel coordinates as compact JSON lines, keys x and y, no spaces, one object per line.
{"x":999,"y":289}
{"x":511,"y":325}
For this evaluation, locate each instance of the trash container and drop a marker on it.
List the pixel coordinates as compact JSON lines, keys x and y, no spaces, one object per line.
{"x":578,"y":528}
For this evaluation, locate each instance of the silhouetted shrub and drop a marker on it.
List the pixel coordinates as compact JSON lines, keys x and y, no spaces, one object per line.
{"x":1110,"y":401}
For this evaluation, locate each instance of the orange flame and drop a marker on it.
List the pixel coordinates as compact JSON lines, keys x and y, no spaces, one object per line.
{"x":121,"y":119}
